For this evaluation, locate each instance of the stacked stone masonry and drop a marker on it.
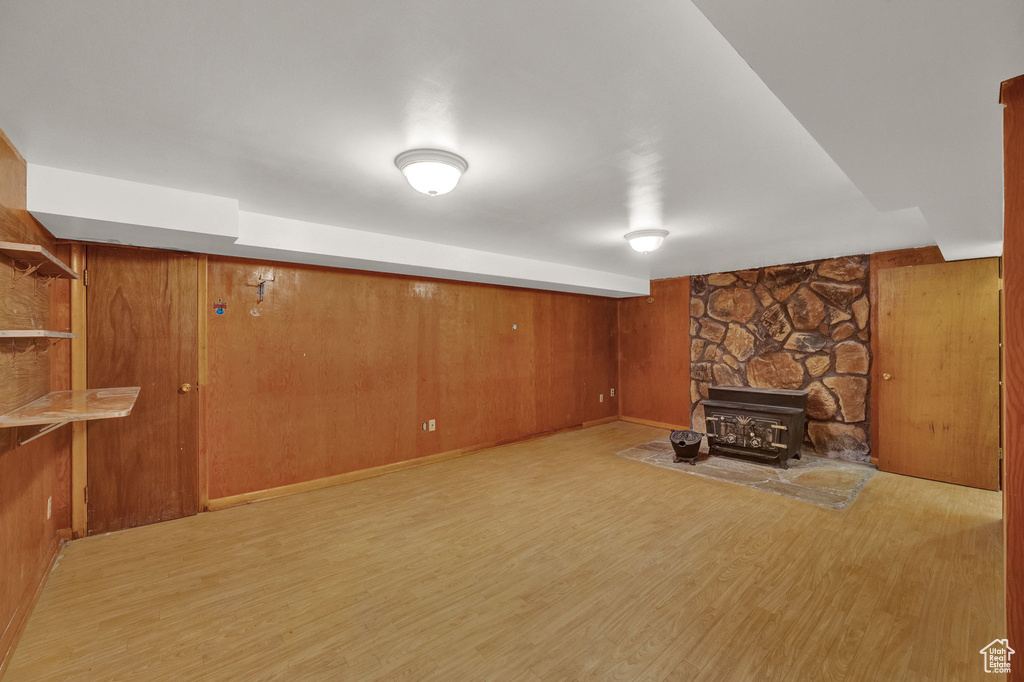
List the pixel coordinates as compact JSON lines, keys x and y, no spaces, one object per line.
{"x":802,"y":326}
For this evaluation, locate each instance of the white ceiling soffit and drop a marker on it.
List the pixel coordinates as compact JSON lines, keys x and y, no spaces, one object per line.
{"x":581,"y":120}
{"x":903,"y":95}
{"x":76,"y":205}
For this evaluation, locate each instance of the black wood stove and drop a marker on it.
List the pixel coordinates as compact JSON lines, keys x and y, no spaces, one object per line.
{"x":756,"y":424}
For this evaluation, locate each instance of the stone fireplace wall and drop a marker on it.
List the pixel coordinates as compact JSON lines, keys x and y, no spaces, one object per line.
{"x":801,"y":326}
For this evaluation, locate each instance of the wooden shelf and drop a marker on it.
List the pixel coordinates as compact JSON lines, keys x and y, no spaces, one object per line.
{"x":35,"y":334}
{"x":61,"y":407}
{"x":29,"y":258}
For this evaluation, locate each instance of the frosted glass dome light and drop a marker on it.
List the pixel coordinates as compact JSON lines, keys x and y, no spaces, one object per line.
{"x":431,"y":171}
{"x":646,"y":241}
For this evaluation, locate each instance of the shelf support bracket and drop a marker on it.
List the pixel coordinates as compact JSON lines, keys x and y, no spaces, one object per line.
{"x":16,"y":351}
{"x":43,"y":431}
{"x":24,"y":272}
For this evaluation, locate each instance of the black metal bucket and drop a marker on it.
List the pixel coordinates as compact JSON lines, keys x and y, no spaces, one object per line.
{"x":686,"y":444}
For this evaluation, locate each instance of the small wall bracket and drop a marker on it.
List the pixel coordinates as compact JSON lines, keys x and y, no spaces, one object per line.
{"x":20,"y":349}
{"x":45,"y":280}
{"x":18,"y":272}
{"x":31,"y":344}
{"x":261,"y":287}
{"x":43,"y":431}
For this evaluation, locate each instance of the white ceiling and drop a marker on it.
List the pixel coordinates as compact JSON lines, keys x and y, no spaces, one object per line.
{"x":903,"y":95}
{"x":580,"y":120}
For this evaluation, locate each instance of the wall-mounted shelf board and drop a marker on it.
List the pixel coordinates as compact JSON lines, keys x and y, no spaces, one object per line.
{"x":36,"y":259}
{"x":35,"y":334}
{"x":61,"y":407}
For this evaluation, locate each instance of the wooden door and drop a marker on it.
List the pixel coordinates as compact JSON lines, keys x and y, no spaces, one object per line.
{"x":938,"y":372}
{"x":142,"y":331}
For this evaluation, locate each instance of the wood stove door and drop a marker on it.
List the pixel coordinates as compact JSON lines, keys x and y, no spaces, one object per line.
{"x":754,"y":433}
{"x":937,"y":372}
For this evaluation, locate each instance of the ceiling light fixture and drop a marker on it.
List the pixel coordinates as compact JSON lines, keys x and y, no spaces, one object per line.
{"x":646,"y":241}
{"x":431,"y":171}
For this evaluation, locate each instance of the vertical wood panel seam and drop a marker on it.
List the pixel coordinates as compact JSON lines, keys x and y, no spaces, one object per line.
{"x":203,"y":379}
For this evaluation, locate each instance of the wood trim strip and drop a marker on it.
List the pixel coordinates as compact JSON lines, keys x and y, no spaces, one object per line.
{"x":203,"y":381}
{"x":353,"y":476}
{"x":79,"y":381}
{"x":599,"y":422}
{"x":16,"y":628}
{"x":618,"y":353}
{"x":1012,"y":97}
{"x":331,"y":481}
{"x":658,"y":425}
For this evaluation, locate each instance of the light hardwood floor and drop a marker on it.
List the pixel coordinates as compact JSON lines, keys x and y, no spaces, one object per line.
{"x":547,"y":560}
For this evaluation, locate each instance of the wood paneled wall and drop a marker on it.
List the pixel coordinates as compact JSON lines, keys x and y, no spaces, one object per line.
{"x":654,"y":355}
{"x":336,"y":370}
{"x":654,"y":349}
{"x":1013,"y":346}
{"x":33,"y":473}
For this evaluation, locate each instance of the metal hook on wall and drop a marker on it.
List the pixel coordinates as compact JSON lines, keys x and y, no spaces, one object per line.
{"x":261,"y":287}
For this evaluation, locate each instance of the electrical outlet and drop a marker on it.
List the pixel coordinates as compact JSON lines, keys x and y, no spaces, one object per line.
{"x":433,"y":425}
{"x":424,"y":426}
{"x":49,"y":507}
{"x":612,"y":392}
{"x":600,"y":398}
